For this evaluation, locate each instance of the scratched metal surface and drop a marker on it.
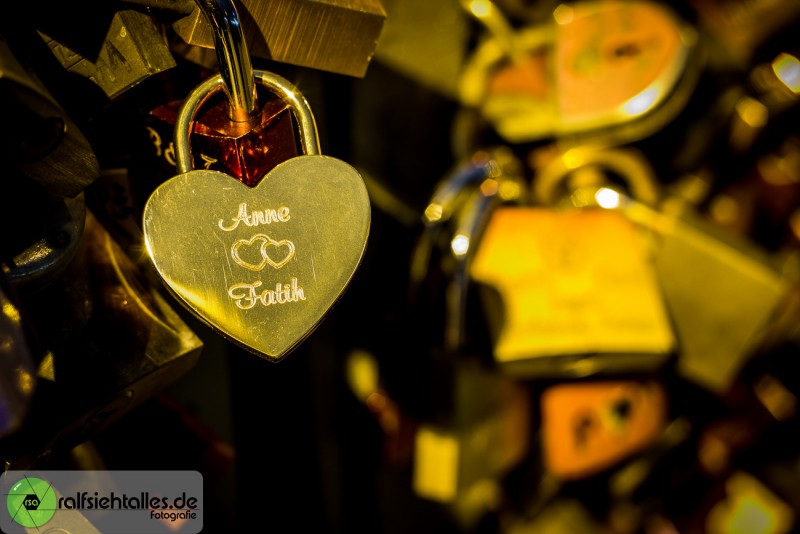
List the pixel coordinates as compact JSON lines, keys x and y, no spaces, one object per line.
{"x":261,"y":265}
{"x":332,"y":35}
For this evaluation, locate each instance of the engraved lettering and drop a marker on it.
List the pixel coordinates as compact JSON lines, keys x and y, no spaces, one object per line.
{"x":156,"y":139}
{"x":208,"y":161}
{"x":255,"y":218}
{"x":244,"y":300}
{"x":245,"y":296}
{"x":169,"y":154}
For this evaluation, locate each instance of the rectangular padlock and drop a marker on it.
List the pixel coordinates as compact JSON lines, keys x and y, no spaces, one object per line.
{"x":333,"y":35}
{"x":721,"y":292}
{"x":591,"y":426}
{"x":132,"y":49}
{"x":570,"y":293}
{"x":426,"y":42}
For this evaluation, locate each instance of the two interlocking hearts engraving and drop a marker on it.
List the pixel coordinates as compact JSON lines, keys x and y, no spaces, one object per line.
{"x":266,"y":242}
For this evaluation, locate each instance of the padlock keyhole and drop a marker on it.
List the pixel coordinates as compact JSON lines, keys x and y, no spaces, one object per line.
{"x":621,"y":409}
{"x":583,"y":426}
{"x":627,"y":50}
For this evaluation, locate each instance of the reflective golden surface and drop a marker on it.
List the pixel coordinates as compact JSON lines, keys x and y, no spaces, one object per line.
{"x":598,"y":65}
{"x":333,"y":35}
{"x":571,"y":282}
{"x":262,"y":265}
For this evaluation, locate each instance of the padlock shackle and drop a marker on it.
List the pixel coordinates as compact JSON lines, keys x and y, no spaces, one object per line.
{"x":283,"y":88}
{"x":233,"y":58}
{"x":631,"y":166}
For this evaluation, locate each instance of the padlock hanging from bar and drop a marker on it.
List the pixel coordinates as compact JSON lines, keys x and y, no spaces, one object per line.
{"x":260,"y":265}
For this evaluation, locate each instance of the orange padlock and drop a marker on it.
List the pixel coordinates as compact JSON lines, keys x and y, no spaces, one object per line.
{"x":590,"y":426}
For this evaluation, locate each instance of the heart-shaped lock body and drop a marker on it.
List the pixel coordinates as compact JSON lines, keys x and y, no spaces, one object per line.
{"x":261,"y":265}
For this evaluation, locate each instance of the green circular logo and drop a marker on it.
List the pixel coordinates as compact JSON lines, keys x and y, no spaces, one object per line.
{"x":31,"y":502}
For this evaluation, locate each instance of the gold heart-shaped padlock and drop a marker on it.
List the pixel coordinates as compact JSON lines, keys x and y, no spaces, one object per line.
{"x":307,"y":221}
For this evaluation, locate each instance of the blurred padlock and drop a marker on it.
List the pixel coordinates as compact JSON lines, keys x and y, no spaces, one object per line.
{"x":399,"y":429}
{"x":414,"y":42}
{"x":721,"y":291}
{"x":570,"y":291}
{"x":478,"y":420}
{"x":754,"y":177}
{"x":487,"y":436}
{"x":37,"y":137}
{"x":590,"y":426}
{"x":332,"y":35}
{"x":117,"y":53}
{"x":636,"y":60}
{"x":454,"y":219}
{"x":110,"y":342}
{"x":17,"y":372}
{"x":748,"y":506}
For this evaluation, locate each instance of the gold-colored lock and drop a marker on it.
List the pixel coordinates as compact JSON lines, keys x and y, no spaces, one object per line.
{"x":132,"y":49}
{"x":610,"y":71}
{"x":261,"y":265}
{"x":333,"y":35}
{"x":569,"y":291}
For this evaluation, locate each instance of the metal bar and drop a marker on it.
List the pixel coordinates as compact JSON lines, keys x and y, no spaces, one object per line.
{"x":233,"y":58}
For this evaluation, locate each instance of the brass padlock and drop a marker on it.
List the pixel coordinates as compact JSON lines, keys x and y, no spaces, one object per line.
{"x":132,"y":49}
{"x":261,"y":265}
{"x":721,"y":291}
{"x":569,"y":290}
{"x":333,"y":35}
{"x":616,"y":71}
